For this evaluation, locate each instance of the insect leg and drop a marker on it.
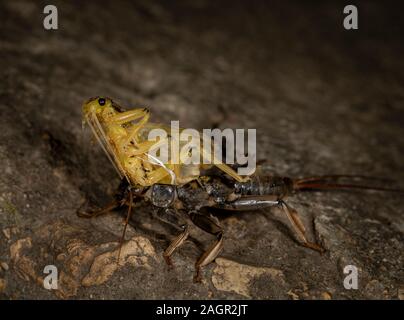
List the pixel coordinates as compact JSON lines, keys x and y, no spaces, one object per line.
{"x":128,"y":116}
{"x":130,"y":204}
{"x":156,"y":176}
{"x":144,"y":147}
{"x":209,"y":225}
{"x":176,"y":220}
{"x":119,"y":200}
{"x":298,"y":227}
{"x":250,"y":203}
{"x":177,"y":242}
{"x":136,"y":127}
{"x":224,"y":167}
{"x":261,"y":202}
{"x":91,"y":214}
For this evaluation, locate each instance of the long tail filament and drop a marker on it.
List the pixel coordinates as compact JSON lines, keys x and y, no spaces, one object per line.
{"x":331,"y":182}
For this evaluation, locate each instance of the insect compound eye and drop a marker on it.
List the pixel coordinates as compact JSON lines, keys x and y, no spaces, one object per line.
{"x":101,"y":101}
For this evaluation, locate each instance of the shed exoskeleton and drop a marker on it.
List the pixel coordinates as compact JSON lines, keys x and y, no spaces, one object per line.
{"x":128,"y":147}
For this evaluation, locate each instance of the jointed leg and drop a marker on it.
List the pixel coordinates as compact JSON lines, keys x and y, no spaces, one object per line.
{"x":156,"y":176}
{"x":174,"y":219}
{"x":128,"y":116}
{"x":108,"y":208}
{"x":224,"y":167}
{"x":143,"y":147}
{"x":207,"y":224}
{"x":298,"y":227}
{"x":120,"y":198}
{"x":261,"y":202}
{"x":128,"y":215}
{"x":132,"y":133}
{"x":176,"y":243}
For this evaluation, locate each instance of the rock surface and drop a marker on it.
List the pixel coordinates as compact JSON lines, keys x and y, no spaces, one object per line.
{"x":323,"y":100}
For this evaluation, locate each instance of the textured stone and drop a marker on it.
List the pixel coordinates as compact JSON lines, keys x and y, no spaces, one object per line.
{"x":135,"y":252}
{"x":322,"y":99}
{"x":232,"y":276}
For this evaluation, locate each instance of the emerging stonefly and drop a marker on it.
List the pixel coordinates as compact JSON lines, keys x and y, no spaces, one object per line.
{"x":186,"y":193}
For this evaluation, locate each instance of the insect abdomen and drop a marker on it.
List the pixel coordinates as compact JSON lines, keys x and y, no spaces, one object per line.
{"x":264,"y":186}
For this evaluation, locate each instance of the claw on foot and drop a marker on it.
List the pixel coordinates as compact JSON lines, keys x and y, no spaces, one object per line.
{"x":314,"y":246}
{"x":198,"y":276}
{"x":168,"y":261}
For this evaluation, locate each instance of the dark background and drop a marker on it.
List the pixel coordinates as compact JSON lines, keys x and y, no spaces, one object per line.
{"x":323,"y":100}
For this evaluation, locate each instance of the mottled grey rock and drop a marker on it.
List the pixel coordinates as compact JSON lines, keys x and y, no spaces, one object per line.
{"x":323,"y":100}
